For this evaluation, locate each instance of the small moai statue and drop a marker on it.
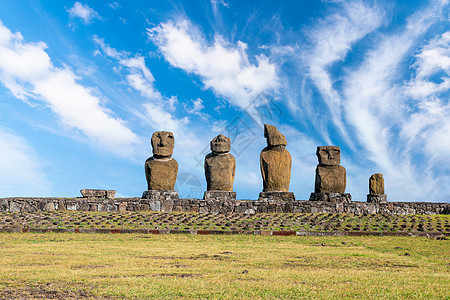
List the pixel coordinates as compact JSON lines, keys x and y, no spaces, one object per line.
{"x":330,"y":176}
{"x":376,"y":189}
{"x":220,"y":167}
{"x":275,"y":163}
{"x":161,"y":169}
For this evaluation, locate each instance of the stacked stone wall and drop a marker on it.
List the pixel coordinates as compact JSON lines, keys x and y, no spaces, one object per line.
{"x":223,"y":207}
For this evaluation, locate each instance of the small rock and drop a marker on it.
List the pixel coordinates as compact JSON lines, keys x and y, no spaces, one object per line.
{"x":407,"y":254}
{"x":245,"y":272}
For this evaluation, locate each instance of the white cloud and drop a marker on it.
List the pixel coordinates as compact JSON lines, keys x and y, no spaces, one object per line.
{"x":114,"y":5}
{"x":196,"y":109}
{"x":21,"y":171}
{"x":27,"y":70}
{"x":434,"y":57}
{"x":83,"y":11}
{"x":428,"y":127}
{"x":332,"y":40}
{"x":224,"y":68}
{"x":156,"y":112}
{"x":139,"y":76}
{"x":376,"y":106}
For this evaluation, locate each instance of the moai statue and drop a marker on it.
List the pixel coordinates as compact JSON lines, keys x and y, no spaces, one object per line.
{"x":161,"y":169}
{"x":275,"y":162}
{"x":330,"y":176}
{"x":220,"y":167}
{"x":376,"y":189}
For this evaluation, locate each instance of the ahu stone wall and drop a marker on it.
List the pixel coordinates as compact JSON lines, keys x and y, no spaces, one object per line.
{"x":215,"y":206}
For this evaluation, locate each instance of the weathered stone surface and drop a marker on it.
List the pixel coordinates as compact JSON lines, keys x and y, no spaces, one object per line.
{"x":172,"y":203}
{"x":330,"y":179}
{"x":219,"y":195}
{"x":376,"y":198}
{"x":331,"y":197}
{"x":160,"y":195}
{"x":108,"y":194}
{"x":4,"y":205}
{"x":329,"y":155}
{"x":376,"y":184}
{"x":220,"y":166}
{"x":161,"y":173}
{"x":275,"y":161}
{"x":276,"y":196}
{"x":161,"y":169}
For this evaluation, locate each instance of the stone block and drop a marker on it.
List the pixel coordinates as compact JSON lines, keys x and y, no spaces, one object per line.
{"x":155,"y":205}
{"x":49,"y":206}
{"x":93,"y":193}
{"x":377,"y":198}
{"x":219,"y":195}
{"x":167,"y":205}
{"x":276,"y":196}
{"x":123,"y":206}
{"x":204,"y":209}
{"x":240,"y":209}
{"x":83,"y":205}
{"x":331,"y":197}
{"x":4,"y":205}
{"x":160,"y":195}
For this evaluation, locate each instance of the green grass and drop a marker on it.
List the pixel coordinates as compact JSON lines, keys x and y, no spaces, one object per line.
{"x":222,"y":267}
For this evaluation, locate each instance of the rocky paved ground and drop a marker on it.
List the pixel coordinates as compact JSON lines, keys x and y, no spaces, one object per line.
{"x":77,"y":220}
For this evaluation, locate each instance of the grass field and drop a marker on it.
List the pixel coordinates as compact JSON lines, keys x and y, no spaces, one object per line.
{"x":64,"y":266}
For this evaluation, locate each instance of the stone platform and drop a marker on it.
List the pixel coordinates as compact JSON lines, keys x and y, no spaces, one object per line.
{"x":331,"y":197}
{"x":170,"y":204}
{"x":377,"y":198}
{"x":219,"y":195}
{"x":276,"y":196}
{"x":160,"y":195}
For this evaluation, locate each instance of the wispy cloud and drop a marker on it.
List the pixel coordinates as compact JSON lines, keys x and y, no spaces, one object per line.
{"x":28,"y":72}
{"x":21,"y":169}
{"x":376,"y":107}
{"x":223,"y":67}
{"x":428,"y":127}
{"x":332,"y":40}
{"x":157,"y":111}
{"x":84,"y":12}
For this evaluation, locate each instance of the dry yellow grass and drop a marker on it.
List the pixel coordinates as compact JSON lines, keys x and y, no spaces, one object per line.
{"x":222,"y":267}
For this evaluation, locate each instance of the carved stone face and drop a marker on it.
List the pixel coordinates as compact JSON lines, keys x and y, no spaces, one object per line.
{"x":329,"y":155}
{"x":274,"y":138}
{"x":221,"y":144}
{"x":163,"y":143}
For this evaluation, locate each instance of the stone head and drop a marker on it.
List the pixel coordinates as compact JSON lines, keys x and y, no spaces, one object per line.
{"x":377,"y":177}
{"x":329,"y":155}
{"x":163,"y":143}
{"x":221,"y":144}
{"x":274,"y":138}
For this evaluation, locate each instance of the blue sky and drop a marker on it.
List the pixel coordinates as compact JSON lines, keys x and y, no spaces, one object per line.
{"x":83,"y":85}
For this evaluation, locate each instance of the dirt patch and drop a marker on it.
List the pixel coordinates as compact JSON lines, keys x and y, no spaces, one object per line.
{"x":182,"y":275}
{"x":46,"y":291}
{"x":89,"y":267}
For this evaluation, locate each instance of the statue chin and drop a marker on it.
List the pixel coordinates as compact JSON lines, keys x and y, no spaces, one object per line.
{"x":162,"y":152}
